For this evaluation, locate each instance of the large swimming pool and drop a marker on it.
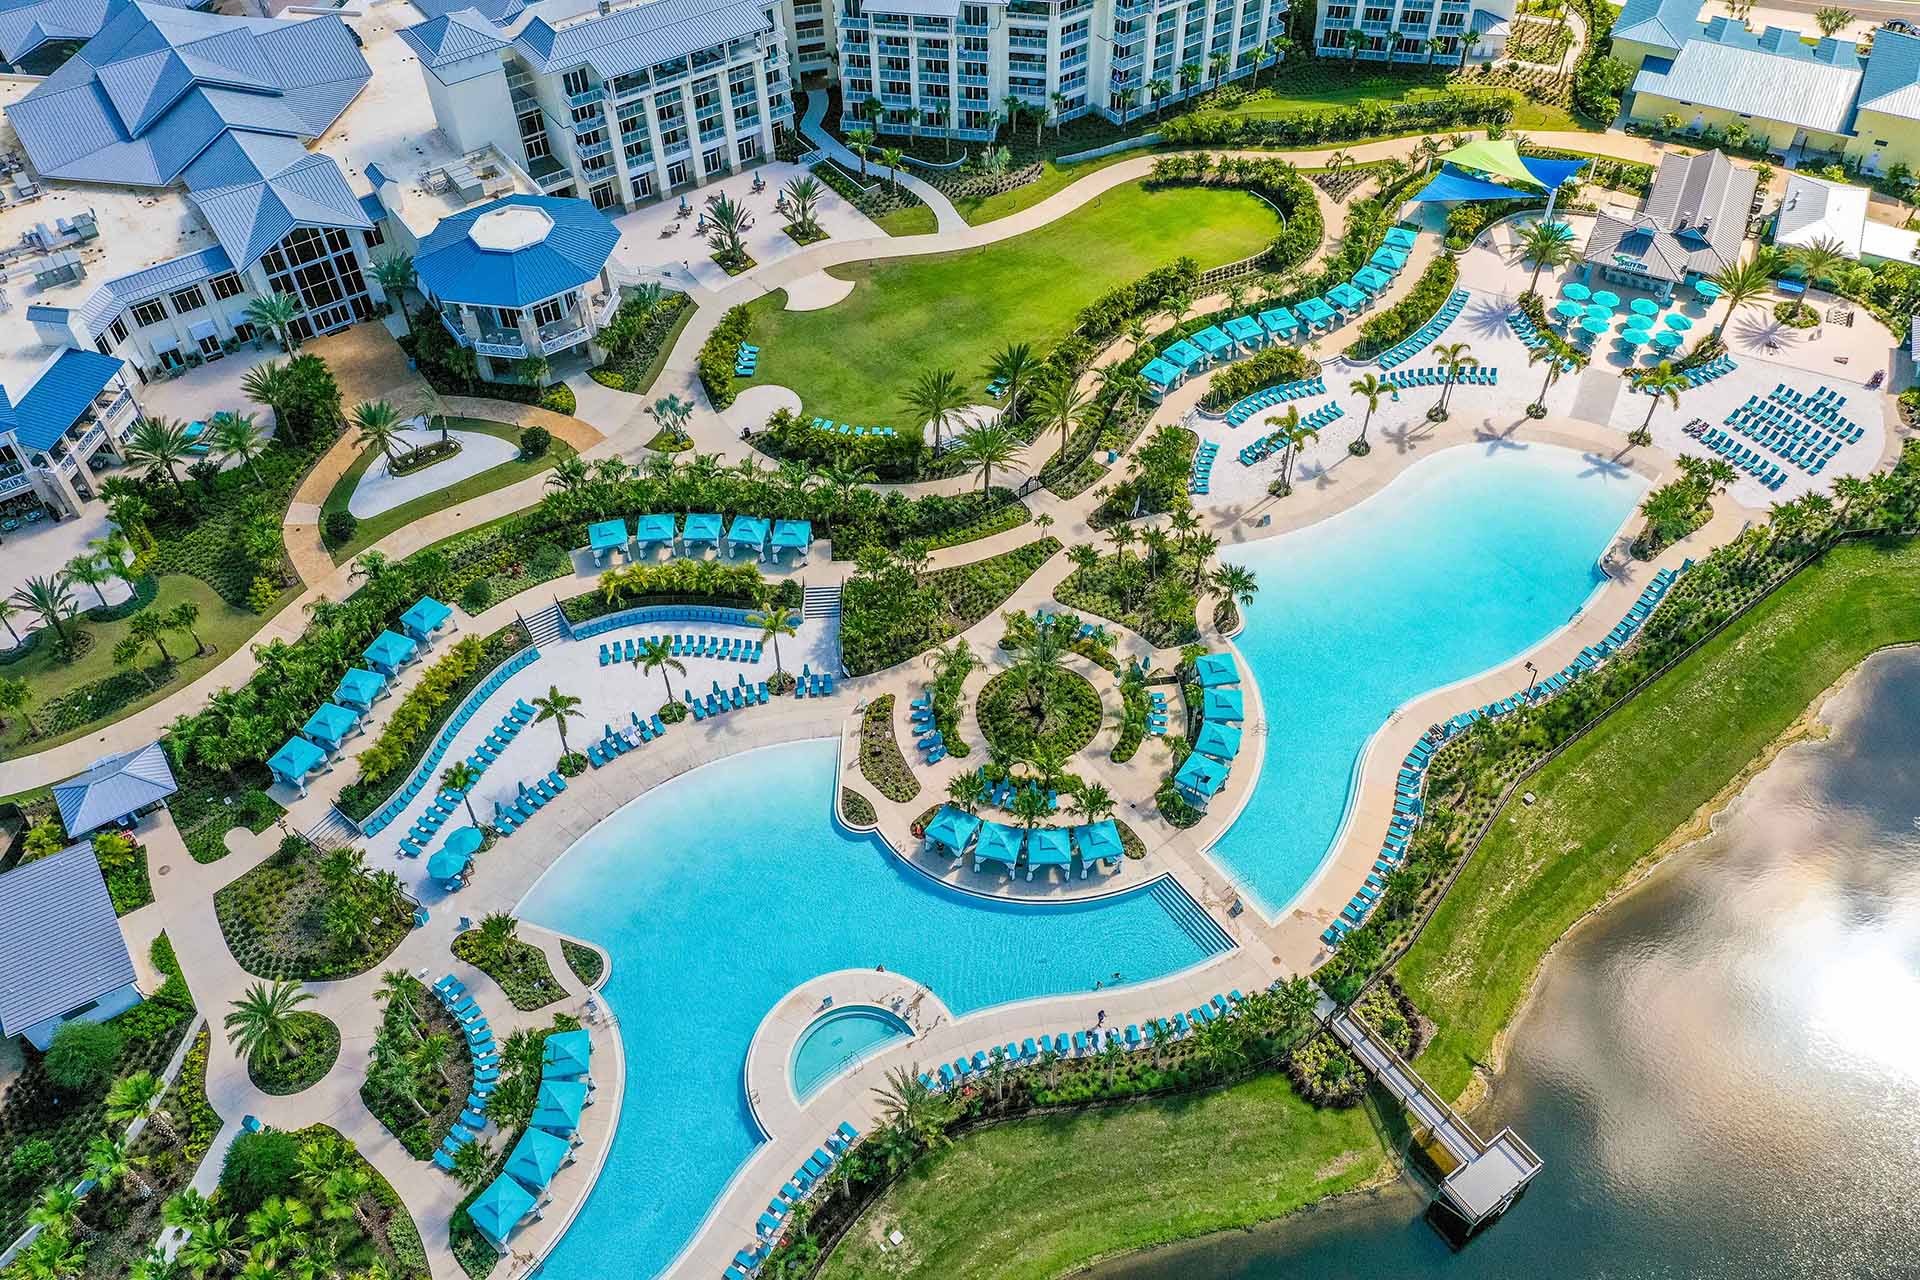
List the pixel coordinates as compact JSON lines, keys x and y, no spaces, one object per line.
{"x":1468,"y":558}
{"x":721,"y":891}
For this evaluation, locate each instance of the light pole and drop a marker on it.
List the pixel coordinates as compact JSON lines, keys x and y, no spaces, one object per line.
{"x":1533,"y":674}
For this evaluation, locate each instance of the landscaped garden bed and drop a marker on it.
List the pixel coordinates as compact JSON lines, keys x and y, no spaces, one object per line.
{"x":1155,"y":595}
{"x":420,"y":1072}
{"x":519,"y":967}
{"x":1022,"y":712}
{"x":642,"y":332}
{"x":313,"y":1045}
{"x":880,"y":760}
{"x":892,"y":608}
{"x":299,"y":915}
{"x":857,"y":808}
{"x":588,"y":965}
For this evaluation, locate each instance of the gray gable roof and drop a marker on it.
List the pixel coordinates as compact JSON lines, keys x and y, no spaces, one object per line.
{"x":60,"y":945}
{"x":113,"y":788}
{"x":1891,"y":82}
{"x":1694,"y":218}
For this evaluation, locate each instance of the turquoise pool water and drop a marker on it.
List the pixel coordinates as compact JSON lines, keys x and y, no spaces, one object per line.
{"x":1469,"y":558}
{"x":840,"y":1039}
{"x":720,"y":892}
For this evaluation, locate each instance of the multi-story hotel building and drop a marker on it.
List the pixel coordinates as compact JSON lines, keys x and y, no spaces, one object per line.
{"x":1416,"y":31}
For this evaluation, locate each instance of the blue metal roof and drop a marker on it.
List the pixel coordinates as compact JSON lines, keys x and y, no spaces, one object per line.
{"x":251,"y":217}
{"x":451,"y":37}
{"x":158,"y":85}
{"x":499,"y":12}
{"x":114,"y":787}
{"x":1891,"y":81}
{"x":60,"y":394}
{"x":453,"y":268}
{"x":1665,"y":24}
{"x":26,"y":25}
{"x":627,"y":40}
{"x":60,"y":945}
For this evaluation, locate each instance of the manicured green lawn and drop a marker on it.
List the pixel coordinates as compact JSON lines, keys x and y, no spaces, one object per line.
{"x":374,"y":528}
{"x":1607,"y":802}
{"x":852,"y":361}
{"x":914,"y":220}
{"x":1039,"y":1198}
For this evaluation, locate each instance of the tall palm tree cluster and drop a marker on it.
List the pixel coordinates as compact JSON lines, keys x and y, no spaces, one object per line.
{"x":1157,"y":590}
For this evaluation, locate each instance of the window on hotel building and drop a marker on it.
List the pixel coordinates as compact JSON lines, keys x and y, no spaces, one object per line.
{"x":227,"y":286}
{"x":190,"y":299}
{"x":149,"y":313}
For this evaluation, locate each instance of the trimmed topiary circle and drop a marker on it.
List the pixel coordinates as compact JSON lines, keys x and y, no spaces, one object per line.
{"x":1068,"y":717}
{"x":316,"y":1045}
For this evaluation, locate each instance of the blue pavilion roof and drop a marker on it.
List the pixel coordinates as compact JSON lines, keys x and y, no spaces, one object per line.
{"x":453,"y":267}
{"x":59,"y":395}
{"x":26,"y":25}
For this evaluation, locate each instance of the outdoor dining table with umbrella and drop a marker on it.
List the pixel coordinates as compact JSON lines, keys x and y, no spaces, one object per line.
{"x":1568,"y":310}
{"x":1644,"y":307}
{"x":1706,"y":289}
{"x":450,"y":864}
{"x":1594,"y":326}
{"x":1666,"y":339}
{"x":1633,"y":337}
{"x":1577,"y":291}
{"x":1606,"y":298}
{"x":1639,"y":324}
{"x":1678,"y":321}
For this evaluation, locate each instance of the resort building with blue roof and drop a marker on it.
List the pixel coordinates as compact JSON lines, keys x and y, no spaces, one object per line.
{"x":69,"y":418}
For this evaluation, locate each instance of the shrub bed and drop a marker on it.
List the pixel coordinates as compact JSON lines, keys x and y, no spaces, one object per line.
{"x":1019,"y":721}
{"x":880,"y":760}
{"x":519,"y":967}
{"x":635,"y":338}
{"x":1450,"y":111}
{"x":720,"y":352}
{"x":858,"y":809}
{"x":586,"y":962}
{"x":298,"y":916}
{"x":1426,"y":298}
{"x":315,"y":1044}
{"x":890,"y":612}
{"x":415,"y":1103}
{"x":1273,"y":367}
{"x":719,"y":583}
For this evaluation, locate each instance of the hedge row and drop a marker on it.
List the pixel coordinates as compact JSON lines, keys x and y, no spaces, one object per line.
{"x":1428,"y":295}
{"x":720,"y":352}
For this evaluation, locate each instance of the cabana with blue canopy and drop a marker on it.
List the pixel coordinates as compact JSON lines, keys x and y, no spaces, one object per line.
{"x":1213,"y":669}
{"x":1223,"y":704}
{"x":1346,"y":297}
{"x":1048,"y":847}
{"x":701,"y":527}
{"x":565,"y":1055}
{"x":605,"y":538}
{"x":1279,"y":322}
{"x":389,"y":652}
{"x":998,"y":843}
{"x":953,"y":829}
{"x":294,"y":761}
{"x":499,"y":1209}
{"x":425,"y":618}
{"x":655,"y":526}
{"x":1161,"y":374}
{"x":1402,"y":238}
{"x":558,"y":1105}
{"x":1246,"y":332}
{"x":792,"y":535}
{"x":1372,"y":279}
{"x":1200,"y":780}
{"x":330,"y":725}
{"x":1184,"y":355}
{"x":359,"y":688}
{"x":537,"y":1157}
{"x":1099,"y":841}
{"x":1316,"y":313}
{"x":747,"y":531}
{"x":1221,"y":741}
{"x":1214,"y":341}
{"x":1389,"y":259}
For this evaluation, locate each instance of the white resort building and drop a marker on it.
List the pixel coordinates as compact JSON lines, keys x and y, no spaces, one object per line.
{"x":1414,"y":31}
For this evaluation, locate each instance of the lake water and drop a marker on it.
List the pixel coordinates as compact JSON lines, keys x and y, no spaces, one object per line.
{"x":1722,"y":1072}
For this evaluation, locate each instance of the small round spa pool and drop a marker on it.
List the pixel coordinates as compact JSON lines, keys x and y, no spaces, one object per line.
{"x":837,"y":1040}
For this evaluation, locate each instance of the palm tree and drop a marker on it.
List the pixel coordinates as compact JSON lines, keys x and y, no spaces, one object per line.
{"x":891,"y":157}
{"x":53,"y":1255}
{"x":774,"y":620}
{"x":915,"y":1110}
{"x":1469,"y":41}
{"x":860,"y":141}
{"x":558,"y":707}
{"x":379,"y":425}
{"x":1014,"y":367}
{"x":803,"y":197}
{"x":160,"y":444}
{"x":268,"y":384}
{"x":1093,"y":802}
{"x":235,"y":435}
{"x":985,"y":446}
{"x":50,"y":599}
{"x":1819,"y":259}
{"x":1158,"y":88}
{"x":1059,"y":111}
{"x":58,"y":1206}
{"x":1743,"y":282}
{"x":1663,"y":380}
{"x":1291,"y":435}
{"x":1544,"y":244}
{"x":1831,"y":19}
{"x":262,"y":1020}
{"x":1126,"y":97}
{"x":276,"y":1228}
{"x":1233,"y":582}
{"x":1062,"y":405}
{"x":88,"y":572}
{"x":276,"y":312}
{"x":1552,"y":359}
{"x":472,"y":1164}
{"x":1355,"y":40}
{"x":395,"y":276}
{"x":110,"y":1163}
{"x":728,"y":223}
{"x":934,"y":399}
{"x":1454,"y":357}
{"x":459,"y":778}
{"x":657,"y":655}
{"x":136,"y":1095}
{"x":8,"y":607}
{"x":1370,"y":388}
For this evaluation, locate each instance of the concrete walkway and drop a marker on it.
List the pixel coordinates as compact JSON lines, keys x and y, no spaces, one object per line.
{"x":812,"y":126}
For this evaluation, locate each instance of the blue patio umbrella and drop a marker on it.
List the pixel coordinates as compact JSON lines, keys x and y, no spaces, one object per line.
{"x":1666,"y":339}
{"x":537,"y":1157}
{"x":330,"y":724}
{"x":447,"y":863}
{"x":656,"y":526}
{"x":1633,"y":337}
{"x":558,"y":1106}
{"x":1568,"y":310}
{"x":1594,"y":325}
{"x":565,"y":1055}
{"x":498,"y":1209}
{"x":1677,"y":321}
{"x":359,"y":687}
{"x":425,"y":617}
{"x":1594,"y":311}
{"x":1607,"y":298}
{"x":1645,"y":307}
{"x":1640,"y":322}
{"x":954,"y":828}
{"x":1221,"y":741}
{"x":1577,"y":291}
{"x":792,"y":535}
{"x":1706,"y":289}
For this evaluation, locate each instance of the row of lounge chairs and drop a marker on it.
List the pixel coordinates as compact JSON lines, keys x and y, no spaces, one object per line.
{"x":730,"y":648}
{"x":1823,"y":403}
{"x":927,"y":735}
{"x":843,"y":429}
{"x":746,"y":361}
{"x":1087,"y":631}
{"x":615,"y":743}
{"x":721,"y":700}
{"x":521,"y":714}
{"x":1823,"y":431}
{"x":1262,"y":449}
{"x":1156,"y":713}
{"x":1768,"y":473}
{"x":795,"y":1190}
{"x":447,"y":803}
{"x":527,"y":801}
{"x":452,"y":994}
{"x":1082,"y":1044}
{"x":1424,"y":336}
{"x":1202,"y":479}
{"x":1793,"y":440}
{"x":1530,"y":336}
{"x":1701,"y":374}
{"x":813,"y":686}
{"x":1435,"y":376}
{"x":1250,"y":405}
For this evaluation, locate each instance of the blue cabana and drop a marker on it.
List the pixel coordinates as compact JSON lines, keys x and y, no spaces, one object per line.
{"x":1099,"y":841}
{"x":747,"y":531}
{"x":1184,"y":355}
{"x":425,"y":618}
{"x":293,"y":762}
{"x":1048,"y":847}
{"x":1246,"y":331}
{"x":330,"y":725}
{"x":566,"y":1055}
{"x":389,"y":652}
{"x":1215,"y":669}
{"x":701,"y":527}
{"x":1346,"y":297}
{"x":1161,"y":374}
{"x":1214,"y":341}
{"x":1402,"y":238}
{"x":998,"y":843}
{"x":1223,"y":704}
{"x":1221,"y":741}
{"x":792,"y":535}
{"x":656,"y":526}
{"x":499,"y":1209}
{"x":558,"y":1105}
{"x":605,"y":538}
{"x":1372,"y":279}
{"x":358,"y":689}
{"x":1388,"y":259}
{"x":1316,"y":312}
{"x":953,"y":829}
{"x":537,"y":1157}
{"x":1279,"y":322}
{"x":1200,"y":779}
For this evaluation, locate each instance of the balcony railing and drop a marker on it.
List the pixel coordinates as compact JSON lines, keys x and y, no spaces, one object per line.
{"x":558,"y":178}
{"x":587,"y":97}
{"x":853,"y":24}
{"x":592,"y":149}
{"x":973,"y":28}
{"x":558,"y":337}
{"x":14,"y":483}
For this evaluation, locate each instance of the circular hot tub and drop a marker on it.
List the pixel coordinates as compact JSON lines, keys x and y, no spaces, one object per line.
{"x":840,"y":1038}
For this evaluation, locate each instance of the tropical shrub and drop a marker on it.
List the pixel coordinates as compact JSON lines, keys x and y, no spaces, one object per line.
{"x":1271,"y":367}
{"x":82,"y":1055}
{"x":414,"y":716}
{"x":1448,"y":111}
{"x":1427,"y":296}
{"x":259,"y":1163}
{"x":720,"y":352}
{"x":892,"y":607}
{"x":880,"y":760}
{"x":535,"y":441}
{"x":1104,"y":317}
{"x":677,"y":581}
{"x":339,"y":527}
